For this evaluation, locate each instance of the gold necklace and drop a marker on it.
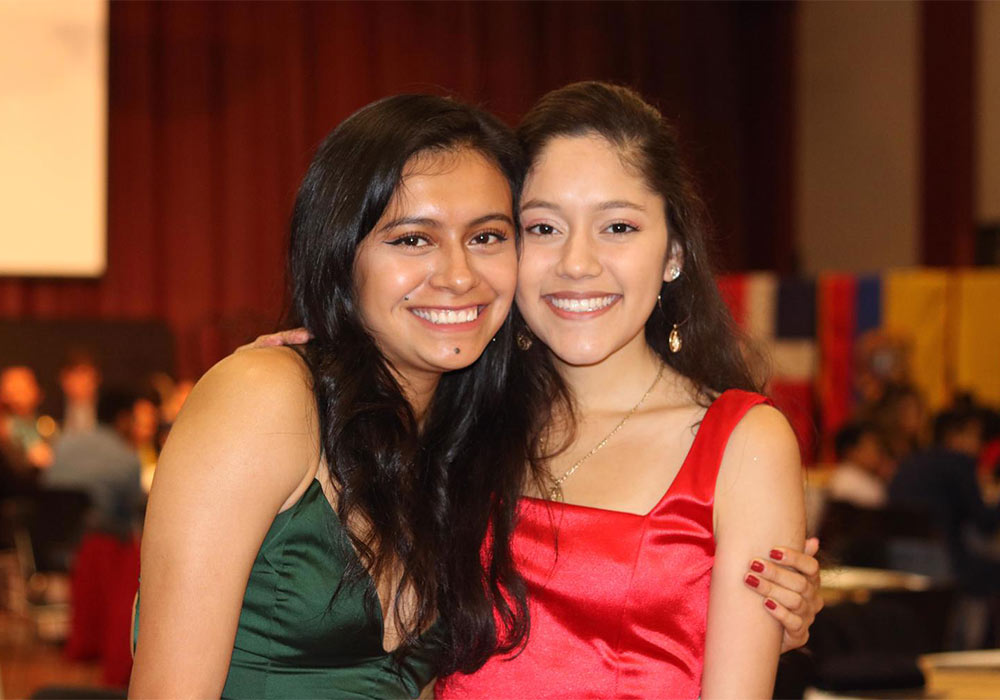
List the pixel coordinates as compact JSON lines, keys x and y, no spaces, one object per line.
{"x":557,"y":482}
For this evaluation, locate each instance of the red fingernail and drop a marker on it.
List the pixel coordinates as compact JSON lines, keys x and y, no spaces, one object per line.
{"x":770,"y":604}
{"x":777,"y":555}
{"x":752,"y":580}
{"x":757,"y":566}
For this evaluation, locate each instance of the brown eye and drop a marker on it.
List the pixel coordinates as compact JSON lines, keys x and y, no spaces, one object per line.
{"x":541,"y":229}
{"x":620,"y":227}
{"x":488,"y":237}
{"x":409,"y":241}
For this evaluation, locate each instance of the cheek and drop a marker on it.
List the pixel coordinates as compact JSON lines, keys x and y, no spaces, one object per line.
{"x":500,"y":272}
{"x":530,"y":269}
{"x":379,"y":292}
{"x":642,"y":269}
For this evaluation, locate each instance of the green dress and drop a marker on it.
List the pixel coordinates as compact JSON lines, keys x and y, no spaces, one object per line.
{"x":292,"y":641}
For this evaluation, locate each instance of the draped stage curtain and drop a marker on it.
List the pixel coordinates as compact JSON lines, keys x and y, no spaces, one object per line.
{"x":216,"y":107}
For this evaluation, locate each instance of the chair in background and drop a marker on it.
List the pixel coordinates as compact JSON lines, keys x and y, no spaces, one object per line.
{"x":47,"y":528}
{"x":885,"y":538}
{"x":874,"y":646}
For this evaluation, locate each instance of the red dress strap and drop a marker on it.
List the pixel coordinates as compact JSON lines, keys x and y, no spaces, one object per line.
{"x":699,"y":473}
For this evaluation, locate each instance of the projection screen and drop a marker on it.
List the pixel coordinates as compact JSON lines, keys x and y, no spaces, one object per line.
{"x":53,"y":137}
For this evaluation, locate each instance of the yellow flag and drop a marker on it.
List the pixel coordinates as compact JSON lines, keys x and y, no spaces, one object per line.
{"x":915,"y":306}
{"x":977,"y":335}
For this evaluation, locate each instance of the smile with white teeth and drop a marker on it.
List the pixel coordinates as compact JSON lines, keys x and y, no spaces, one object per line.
{"x":582,"y":306}
{"x":445,"y":317}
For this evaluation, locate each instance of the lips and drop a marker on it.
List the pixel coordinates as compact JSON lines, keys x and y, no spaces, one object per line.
{"x":580,"y":305}
{"x":445,"y":316}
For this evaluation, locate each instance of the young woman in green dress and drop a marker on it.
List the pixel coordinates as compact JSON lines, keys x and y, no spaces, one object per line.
{"x":316,"y":523}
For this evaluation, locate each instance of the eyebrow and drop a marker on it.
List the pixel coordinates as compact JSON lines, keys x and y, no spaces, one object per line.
{"x":612,"y":204}
{"x":620,"y":204}
{"x":434,"y":223}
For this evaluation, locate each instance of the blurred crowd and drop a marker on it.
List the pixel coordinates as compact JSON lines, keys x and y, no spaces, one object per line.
{"x":73,"y":489}
{"x":918,"y":492}
{"x":105,"y":439}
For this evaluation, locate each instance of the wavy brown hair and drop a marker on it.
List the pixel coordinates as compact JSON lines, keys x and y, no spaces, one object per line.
{"x":430,"y":496}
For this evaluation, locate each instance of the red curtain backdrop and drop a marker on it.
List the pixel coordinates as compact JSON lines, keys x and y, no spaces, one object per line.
{"x":948,"y":138}
{"x":216,"y":107}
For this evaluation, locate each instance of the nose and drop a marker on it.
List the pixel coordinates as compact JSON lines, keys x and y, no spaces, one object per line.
{"x":453,"y":272}
{"x":578,"y":258}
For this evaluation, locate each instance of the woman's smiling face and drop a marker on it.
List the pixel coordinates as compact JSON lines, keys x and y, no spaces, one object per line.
{"x":595,"y":250}
{"x":435,"y":277}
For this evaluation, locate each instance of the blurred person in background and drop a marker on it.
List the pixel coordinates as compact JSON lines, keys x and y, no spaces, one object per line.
{"x":901,"y":415}
{"x":102,"y":463}
{"x":942,"y":481}
{"x":989,"y":458}
{"x":864,"y":467}
{"x":989,"y":455}
{"x":79,"y":379}
{"x":173,"y":398}
{"x":23,"y":444}
{"x":881,"y":360}
{"x":145,"y":434}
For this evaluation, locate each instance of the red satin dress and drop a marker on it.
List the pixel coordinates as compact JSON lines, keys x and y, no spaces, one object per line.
{"x":618,"y":601}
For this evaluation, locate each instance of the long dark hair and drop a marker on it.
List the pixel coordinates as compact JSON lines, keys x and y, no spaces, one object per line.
{"x":712,"y":356}
{"x":428,"y":497}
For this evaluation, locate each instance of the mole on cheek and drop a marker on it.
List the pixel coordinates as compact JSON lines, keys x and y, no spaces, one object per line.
{"x":457,"y":351}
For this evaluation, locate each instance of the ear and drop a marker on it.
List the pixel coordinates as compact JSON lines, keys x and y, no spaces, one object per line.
{"x":675,"y":260}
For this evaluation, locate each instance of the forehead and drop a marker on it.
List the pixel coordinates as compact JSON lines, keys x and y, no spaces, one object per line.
{"x":452,"y":181}
{"x":588,"y":165}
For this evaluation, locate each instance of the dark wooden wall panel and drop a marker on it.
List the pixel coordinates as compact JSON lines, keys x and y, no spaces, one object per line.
{"x":948,"y":104}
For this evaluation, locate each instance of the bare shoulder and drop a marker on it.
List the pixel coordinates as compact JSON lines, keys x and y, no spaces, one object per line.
{"x":763,"y":432}
{"x":275,"y":372}
{"x":762,"y":449}
{"x":252,"y":415}
{"x":243,"y":448}
{"x":262,"y":385}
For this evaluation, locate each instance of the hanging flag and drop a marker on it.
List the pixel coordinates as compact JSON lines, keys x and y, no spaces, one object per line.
{"x":915,"y":305}
{"x":837,"y":327}
{"x":976,"y":340}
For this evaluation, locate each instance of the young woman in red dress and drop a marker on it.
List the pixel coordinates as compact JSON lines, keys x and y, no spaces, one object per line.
{"x":668,"y":474}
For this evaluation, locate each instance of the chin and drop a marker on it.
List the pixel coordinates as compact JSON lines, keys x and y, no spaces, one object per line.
{"x":581,"y":354}
{"x":446,"y":360}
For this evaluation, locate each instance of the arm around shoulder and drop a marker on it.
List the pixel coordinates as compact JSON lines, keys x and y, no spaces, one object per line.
{"x":758,"y":503}
{"x":243,"y":448}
